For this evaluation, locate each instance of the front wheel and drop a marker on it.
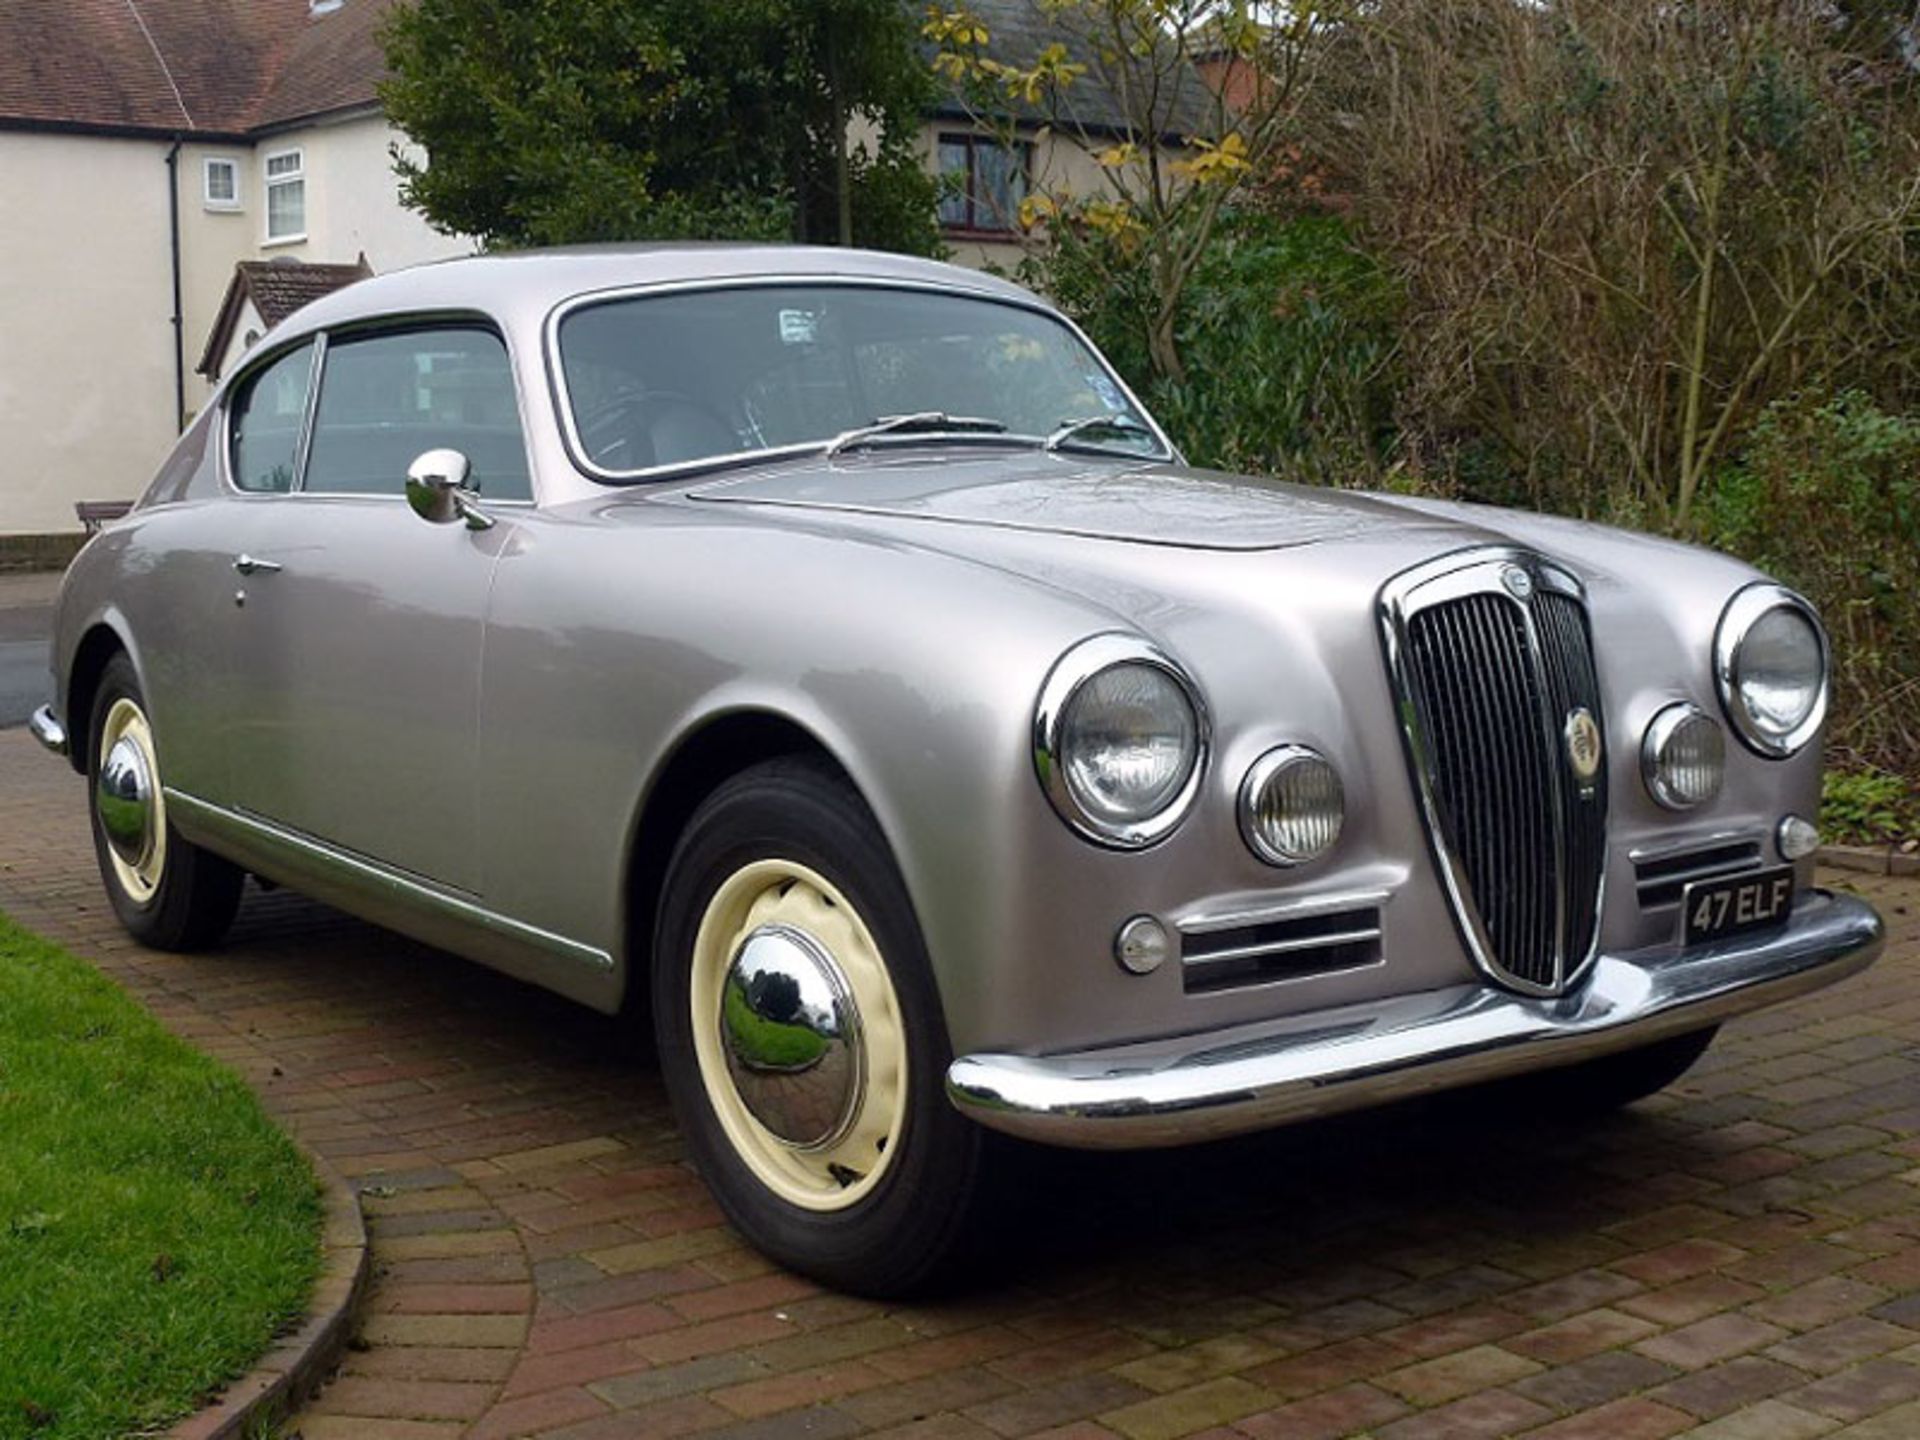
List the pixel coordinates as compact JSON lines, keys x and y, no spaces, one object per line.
{"x":168,"y":893}
{"x":801,"y":1037}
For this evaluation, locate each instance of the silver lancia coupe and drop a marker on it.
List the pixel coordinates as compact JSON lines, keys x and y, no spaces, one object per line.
{"x":824,"y":654}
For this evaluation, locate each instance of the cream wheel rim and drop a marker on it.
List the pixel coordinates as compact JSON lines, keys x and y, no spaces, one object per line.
{"x":139,"y":874}
{"x":786,"y":899}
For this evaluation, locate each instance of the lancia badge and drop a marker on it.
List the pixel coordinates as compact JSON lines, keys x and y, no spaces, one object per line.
{"x":1583,"y":745}
{"x":1518,"y":582}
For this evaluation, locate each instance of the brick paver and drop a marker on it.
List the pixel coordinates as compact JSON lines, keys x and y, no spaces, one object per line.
{"x":1738,"y":1258}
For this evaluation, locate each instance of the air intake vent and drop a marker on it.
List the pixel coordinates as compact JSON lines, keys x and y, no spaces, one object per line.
{"x":1500,"y":702}
{"x":1661,"y":879}
{"x":1281,"y":949}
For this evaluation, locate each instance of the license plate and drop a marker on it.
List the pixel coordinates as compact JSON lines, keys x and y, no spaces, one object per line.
{"x":1719,"y":908}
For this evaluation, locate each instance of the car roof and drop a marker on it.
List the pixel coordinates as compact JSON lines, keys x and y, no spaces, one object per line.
{"x":529,"y":283}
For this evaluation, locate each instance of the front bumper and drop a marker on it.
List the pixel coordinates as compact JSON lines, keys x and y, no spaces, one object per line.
{"x":1200,"y":1087}
{"x":47,"y":729}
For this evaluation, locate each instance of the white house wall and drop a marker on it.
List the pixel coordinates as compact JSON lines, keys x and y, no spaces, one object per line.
{"x":86,"y":343}
{"x":353,"y":199}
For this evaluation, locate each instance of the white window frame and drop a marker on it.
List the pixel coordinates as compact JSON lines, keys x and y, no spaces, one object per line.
{"x":267,"y":182}
{"x":207,"y":197}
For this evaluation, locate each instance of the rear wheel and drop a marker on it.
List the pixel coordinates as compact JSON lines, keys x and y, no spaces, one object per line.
{"x":801,"y":1036}
{"x":167,"y":892}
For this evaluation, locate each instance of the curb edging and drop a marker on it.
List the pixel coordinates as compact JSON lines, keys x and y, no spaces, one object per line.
{"x":1869,"y":859}
{"x":296,"y":1365}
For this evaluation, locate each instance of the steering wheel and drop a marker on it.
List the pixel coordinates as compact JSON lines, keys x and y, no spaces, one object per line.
{"x":608,"y":430}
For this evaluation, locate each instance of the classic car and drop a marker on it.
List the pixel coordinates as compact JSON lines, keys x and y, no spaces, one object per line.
{"x":826,"y":656}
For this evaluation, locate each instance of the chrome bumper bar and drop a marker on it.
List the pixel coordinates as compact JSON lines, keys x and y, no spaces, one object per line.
{"x":48,"y":730}
{"x":1200,"y":1087}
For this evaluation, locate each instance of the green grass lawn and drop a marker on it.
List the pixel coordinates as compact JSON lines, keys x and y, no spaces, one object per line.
{"x":156,"y":1229}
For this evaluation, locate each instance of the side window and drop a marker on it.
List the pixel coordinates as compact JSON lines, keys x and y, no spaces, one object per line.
{"x":266,"y":417}
{"x":386,"y":398}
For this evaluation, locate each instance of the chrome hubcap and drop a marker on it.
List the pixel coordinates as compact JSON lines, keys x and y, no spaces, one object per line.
{"x":123,"y":798}
{"x":129,"y":803}
{"x":798,"y":1034}
{"x":792,"y":1036}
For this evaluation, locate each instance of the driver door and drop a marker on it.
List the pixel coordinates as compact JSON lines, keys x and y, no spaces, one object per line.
{"x":362,"y":624}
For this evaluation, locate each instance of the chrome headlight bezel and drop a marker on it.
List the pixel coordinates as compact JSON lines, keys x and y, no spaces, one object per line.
{"x":1264,"y":772}
{"x":1661,"y":731}
{"x":1747,"y":607}
{"x":1080,"y":664}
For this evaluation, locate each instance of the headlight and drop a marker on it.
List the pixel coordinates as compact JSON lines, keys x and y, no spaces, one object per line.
{"x":1119,"y":741}
{"x":1770,"y":660}
{"x":1684,"y":757}
{"x":1291,"y":806}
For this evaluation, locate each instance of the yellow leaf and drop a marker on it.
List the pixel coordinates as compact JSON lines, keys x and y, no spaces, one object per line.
{"x":1036,"y":208}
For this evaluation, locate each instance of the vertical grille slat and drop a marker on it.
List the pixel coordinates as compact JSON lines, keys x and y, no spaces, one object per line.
{"x":1493,"y":671}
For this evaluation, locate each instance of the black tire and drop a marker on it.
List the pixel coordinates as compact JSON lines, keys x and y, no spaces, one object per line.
{"x":1610,"y":1082}
{"x":906,"y":1234}
{"x":195,"y":894}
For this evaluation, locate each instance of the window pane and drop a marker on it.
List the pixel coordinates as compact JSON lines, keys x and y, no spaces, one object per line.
{"x":266,"y":416}
{"x":286,"y":209}
{"x":385,"y":399}
{"x":953,"y":180}
{"x":220,"y":181}
{"x":288,"y":164}
{"x":1000,"y":186}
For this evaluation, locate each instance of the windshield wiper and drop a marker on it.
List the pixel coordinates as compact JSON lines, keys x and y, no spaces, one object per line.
{"x":921,"y":422}
{"x":1070,"y":430}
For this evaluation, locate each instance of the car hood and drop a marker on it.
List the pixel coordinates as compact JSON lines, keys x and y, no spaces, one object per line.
{"x":1123,"y":535}
{"x":1062,"y":494}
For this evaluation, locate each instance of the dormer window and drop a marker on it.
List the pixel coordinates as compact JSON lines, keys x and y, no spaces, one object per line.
{"x":220,"y":183}
{"x":286,"y":181}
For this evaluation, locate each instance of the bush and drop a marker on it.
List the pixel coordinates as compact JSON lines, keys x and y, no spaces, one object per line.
{"x":1287,"y":333}
{"x":1827,"y":497}
{"x":1869,"y":807}
{"x":1624,"y":228}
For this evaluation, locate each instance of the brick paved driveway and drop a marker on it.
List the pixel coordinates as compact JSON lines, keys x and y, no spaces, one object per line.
{"x":1738,"y":1258}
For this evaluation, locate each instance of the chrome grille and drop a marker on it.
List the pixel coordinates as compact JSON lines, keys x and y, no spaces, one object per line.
{"x":1492,"y":660}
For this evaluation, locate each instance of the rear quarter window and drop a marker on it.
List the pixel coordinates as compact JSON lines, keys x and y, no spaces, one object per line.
{"x":267,"y":413}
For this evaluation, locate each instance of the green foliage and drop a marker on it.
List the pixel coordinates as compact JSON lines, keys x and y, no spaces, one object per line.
{"x":1287,"y":331}
{"x":1827,"y":496}
{"x":156,"y":1229}
{"x":1869,"y":807}
{"x":770,"y":1041}
{"x":606,"y":120}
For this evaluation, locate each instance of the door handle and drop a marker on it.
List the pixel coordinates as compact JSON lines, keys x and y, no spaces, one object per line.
{"x":252,"y":565}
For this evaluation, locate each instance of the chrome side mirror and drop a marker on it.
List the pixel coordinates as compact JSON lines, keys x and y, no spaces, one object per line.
{"x":440,"y":492}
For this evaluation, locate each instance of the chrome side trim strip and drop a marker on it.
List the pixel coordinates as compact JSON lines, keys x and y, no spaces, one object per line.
{"x":1283,"y":947}
{"x":1303,"y":909}
{"x":1252,"y":1077}
{"x":388,"y":884}
{"x":47,"y":729}
{"x":1717,"y":840}
{"x":1701,"y":872}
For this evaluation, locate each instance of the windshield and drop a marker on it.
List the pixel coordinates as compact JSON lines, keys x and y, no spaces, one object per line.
{"x":705,"y":375}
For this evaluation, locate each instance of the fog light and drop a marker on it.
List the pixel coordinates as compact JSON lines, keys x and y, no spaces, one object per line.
{"x":1684,"y":757}
{"x":1142,"y":945}
{"x":1797,"y":838}
{"x":1291,"y":806}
